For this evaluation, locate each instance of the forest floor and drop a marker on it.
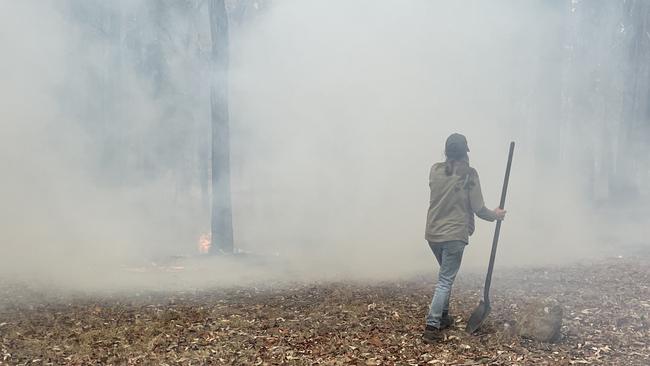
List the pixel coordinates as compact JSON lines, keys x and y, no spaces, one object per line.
{"x":606,"y":321}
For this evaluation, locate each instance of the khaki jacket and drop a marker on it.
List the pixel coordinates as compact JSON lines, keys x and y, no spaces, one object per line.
{"x":453,"y":202}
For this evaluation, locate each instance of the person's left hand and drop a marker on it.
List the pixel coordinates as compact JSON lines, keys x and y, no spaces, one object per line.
{"x":500,"y":213}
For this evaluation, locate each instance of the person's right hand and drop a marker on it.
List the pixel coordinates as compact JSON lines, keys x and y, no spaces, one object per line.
{"x":500,"y":213}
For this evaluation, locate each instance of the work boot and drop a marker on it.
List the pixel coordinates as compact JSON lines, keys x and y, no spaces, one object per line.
{"x":446,"y":321}
{"x":432,"y":335}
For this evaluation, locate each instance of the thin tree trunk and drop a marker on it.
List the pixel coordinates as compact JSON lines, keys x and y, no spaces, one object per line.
{"x":221,"y":223}
{"x":636,"y":109}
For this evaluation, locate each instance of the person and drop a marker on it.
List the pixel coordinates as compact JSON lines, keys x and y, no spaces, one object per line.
{"x":455,"y":198}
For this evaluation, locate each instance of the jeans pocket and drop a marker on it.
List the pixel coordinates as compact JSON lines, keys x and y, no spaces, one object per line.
{"x":456,"y":247}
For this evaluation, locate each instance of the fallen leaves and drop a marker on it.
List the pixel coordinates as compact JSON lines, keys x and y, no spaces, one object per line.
{"x":350,"y":323}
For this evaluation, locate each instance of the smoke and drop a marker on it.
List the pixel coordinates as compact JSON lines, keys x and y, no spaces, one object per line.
{"x":348,"y":105}
{"x":86,"y":158}
{"x":338,"y":109}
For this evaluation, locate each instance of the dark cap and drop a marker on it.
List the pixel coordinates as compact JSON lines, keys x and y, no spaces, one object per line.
{"x":456,"y":144}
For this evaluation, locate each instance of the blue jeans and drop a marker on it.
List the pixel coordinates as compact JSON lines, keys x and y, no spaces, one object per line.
{"x":449,"y":255}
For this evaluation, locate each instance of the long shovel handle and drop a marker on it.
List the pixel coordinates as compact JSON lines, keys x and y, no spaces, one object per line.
{"x":497,"y":231}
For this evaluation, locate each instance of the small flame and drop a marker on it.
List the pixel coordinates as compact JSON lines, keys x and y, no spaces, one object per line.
{"x":205,"y":242}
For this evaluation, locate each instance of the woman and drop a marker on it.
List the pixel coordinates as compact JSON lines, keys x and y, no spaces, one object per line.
{"x":455,"y":198}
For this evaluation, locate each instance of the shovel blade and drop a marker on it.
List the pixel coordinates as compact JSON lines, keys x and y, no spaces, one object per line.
{"x":478,"y":317}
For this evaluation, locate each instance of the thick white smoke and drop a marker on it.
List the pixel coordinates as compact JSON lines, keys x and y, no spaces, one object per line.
{"x":338,"y":108}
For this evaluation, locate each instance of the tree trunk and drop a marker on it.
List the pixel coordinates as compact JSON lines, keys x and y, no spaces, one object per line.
{"x":221,"y":223}
{"x":632,"y":141}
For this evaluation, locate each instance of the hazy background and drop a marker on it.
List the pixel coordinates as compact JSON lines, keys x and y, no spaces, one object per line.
{"x":338,"y":109}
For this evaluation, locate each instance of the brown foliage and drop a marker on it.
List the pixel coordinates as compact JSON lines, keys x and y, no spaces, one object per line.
{"x":606,"y":308}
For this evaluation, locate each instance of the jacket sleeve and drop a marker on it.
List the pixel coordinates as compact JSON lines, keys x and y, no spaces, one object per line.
{"x":476,"y":199}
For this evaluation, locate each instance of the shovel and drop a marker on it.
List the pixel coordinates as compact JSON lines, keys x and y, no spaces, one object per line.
{"x":483,"y":310}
